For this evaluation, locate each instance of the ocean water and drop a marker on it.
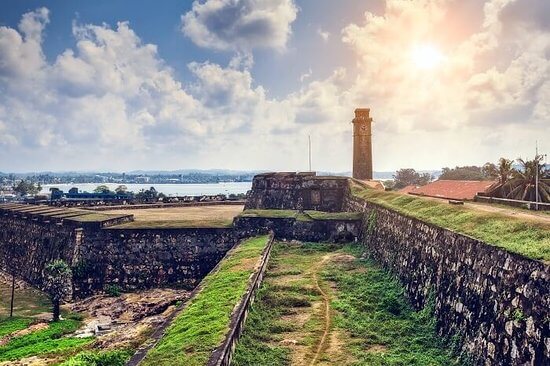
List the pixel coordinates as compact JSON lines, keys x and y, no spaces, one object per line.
{"x":167,"y":189}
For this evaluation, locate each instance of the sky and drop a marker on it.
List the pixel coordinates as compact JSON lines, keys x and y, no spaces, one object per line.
{"x":241,"y":84}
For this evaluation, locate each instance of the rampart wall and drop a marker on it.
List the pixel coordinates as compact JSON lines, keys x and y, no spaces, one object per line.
{"x":143,"y":258}
{"x":102,"y":255}
{"x":28,"y":243}
{"x":293,"y":229}
{"x":497,"y":302}
{"x":295,"y":191}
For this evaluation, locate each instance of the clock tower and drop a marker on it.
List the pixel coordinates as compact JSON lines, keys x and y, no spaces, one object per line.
{"x":362,"y":144}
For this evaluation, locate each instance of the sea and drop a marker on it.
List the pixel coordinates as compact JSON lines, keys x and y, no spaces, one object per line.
{"x":168,"y":189}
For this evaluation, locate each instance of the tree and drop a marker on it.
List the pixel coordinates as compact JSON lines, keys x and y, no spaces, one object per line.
{"x":505,"y":170}
{"x":522,"y":186}
{"x":490,"y":171}
{"x":57,"y":283}
{"x":405,"y":177}
{"x":463,"y":173}
{"x":121,"y":189}
{"x":25,"y":187}
{"x":148,"y":195}
{"x":102,"y":189}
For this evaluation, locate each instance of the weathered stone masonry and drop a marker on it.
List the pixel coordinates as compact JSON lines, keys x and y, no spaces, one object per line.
{"x":295,"y":191}
{"x":497,"y":301}
{"x":144,"y":258}
{"x":102,"y":255}
{"x":293,"y":229}
{"x":28,"y":243}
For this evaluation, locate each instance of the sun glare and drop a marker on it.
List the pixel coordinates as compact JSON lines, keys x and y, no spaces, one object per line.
{"x":426,"y":56}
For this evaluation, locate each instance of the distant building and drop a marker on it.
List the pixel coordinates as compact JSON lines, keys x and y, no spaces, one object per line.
{"x":451,"y":189}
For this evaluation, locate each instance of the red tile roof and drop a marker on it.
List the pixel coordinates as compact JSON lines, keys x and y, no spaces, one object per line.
{"x":451,"y":189}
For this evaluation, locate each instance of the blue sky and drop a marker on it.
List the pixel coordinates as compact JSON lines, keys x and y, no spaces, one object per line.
{"x":240,"y":84}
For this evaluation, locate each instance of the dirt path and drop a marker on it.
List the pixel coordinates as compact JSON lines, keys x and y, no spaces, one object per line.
{"x":326,"y":303}
{"x":512,"y":212}
{"x":520,"y":213}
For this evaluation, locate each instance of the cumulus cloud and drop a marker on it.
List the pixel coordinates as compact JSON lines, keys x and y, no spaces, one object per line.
{"x":466,"y":82}
{"x":323,"y":34}
{"x":113,"y":95}
{"x":240,"y":24}
{"x":112,"y":102}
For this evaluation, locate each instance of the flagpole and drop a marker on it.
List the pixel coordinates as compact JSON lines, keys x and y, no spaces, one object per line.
{"x":536,"y":175}
{"x":309,"y":150}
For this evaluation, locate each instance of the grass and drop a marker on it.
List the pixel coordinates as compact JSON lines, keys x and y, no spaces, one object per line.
{"x":50,"y":342}
{"x":384,"y":329}
{"x":94,"y":217}
{"x":105,"y":358}
{"x":10,"y":325}
{"x":28,"y":302}
{"x":203,"y":323}
{"x":309,"y":215}
{"x":175,"y":224}
{"x":262,"y":326}
{"x":276,"y":214}
{"x":44,"y":342}
{"x":283,"y":303}
{"x":371,"y":316}
{"x":180,"y":217}
{"x":319,"y":215}
{"x":526,"y":237}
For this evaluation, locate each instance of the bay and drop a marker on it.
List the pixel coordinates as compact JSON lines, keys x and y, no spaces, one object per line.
{"x":168,"y":189}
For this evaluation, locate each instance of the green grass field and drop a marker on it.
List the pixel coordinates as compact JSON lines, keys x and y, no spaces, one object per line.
{"x":371,"y":321}
{"x":518,"y":235}
{"x":203,"y":323}
{"x":48,"y":341}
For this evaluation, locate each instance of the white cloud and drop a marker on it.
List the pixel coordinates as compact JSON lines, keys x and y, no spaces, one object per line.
{"x":113,"y":96}
{"x":240,"y":25}
{"x":306,"y":75}
{"x":112,"y":102}
{"x":323,"y":34}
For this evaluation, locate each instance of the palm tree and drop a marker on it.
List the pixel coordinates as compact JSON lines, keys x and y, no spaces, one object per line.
{"x":505,"y":170}
{"x":523,"y":182}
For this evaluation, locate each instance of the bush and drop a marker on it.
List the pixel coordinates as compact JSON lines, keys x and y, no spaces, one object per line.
{"x":108,"y":358}
{"x":113,"y":290}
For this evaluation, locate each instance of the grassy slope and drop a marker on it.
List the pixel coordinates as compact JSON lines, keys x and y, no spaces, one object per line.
{"x":29,"y":303}
{"x":46,"y":341}
{"x":384,"y":329}
{"x":201,"y":326}
{"x":10,"y":325}
{"x":528,"y":238}
{"x":377,"y":325}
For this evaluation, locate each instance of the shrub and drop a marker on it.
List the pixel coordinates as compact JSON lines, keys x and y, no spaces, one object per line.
{"x":108,"y":358}
{"x":113,"y":290}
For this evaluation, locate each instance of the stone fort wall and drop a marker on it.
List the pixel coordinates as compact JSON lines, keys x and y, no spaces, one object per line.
{"x":144,"y":258}
{"x":28,"y":243}
{"x":101,"y":255}
{"x":497,"y":302}
{"x":294,"y":191}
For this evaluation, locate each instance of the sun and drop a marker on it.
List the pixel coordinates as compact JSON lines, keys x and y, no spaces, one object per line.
{"x":426,"y":56}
